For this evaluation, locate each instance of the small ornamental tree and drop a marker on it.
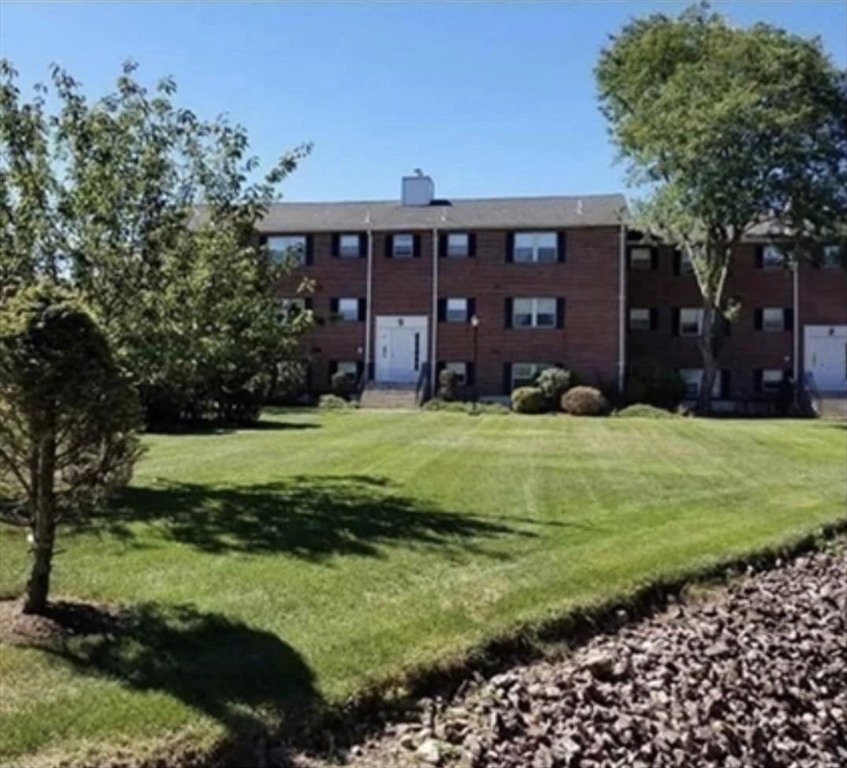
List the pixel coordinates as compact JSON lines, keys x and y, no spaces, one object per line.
{"x":67,"y":419}
{"x":732,"y":130}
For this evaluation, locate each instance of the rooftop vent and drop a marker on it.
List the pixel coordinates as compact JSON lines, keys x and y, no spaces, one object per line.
{"x":418,"y":189}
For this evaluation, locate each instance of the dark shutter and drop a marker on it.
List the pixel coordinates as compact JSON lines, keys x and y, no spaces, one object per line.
{"x":333,"y":306}
{"x":263,"y":240}
{"x":788,"y":319}
{"x":560,"y":313}
{"x":760,"y":256}
{"x":654,"y":258}
{"x":442,"y":310}
{"x":363,"y":246}
{"x":510,"y":246}
{"x":308,"y":302}
{"x":757,"y":380}
{"x":470,"y":374}
{"x":371,"y":369}
{"x":654,"y":319}
{"x":336,"y":245}
{"x":310,"y":249}
{"x":562,"y":246}
{"x":363,"y":308}
{"x":471,"y":245}
{"x":757,"y":322}
{"x":508,"y":318}
{"x":677,"y":262}
{"x":416,"y":246}
{"x":333,"y":369}
{"x":725,"y":383}
{"x":675,"y":321}
{"x":507,"y":378}
{"x":442,"y":246}
{"x":360,"y":369}
{"x":389,"y":246}
{"x":471,"y":309}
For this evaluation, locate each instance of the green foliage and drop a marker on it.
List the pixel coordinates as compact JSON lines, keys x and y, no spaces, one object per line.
{"x":648,"y":381}
{"x":554,"y":382}
{"x":342,"y":385}
{"x":441,"y":404}
{"x":732,"y":129}
{"x":334,"y":402}
{"x":643,"y":411}
{"x":67,"y":418}
{"x":585,"y":401}
{"x":528,"y":400}
{"x":448,"y":385}
{"x":147,"y":211}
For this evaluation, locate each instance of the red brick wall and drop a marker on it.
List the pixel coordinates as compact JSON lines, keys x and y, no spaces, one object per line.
{"x":334,"y":278}
{"x":746,"y":350}
{"x":588,"y":280}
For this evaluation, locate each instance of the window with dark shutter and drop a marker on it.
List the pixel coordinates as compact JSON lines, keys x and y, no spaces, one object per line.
{"x":560,"y":313}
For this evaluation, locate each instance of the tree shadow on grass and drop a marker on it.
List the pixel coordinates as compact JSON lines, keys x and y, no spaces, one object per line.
{"x":217,"y":428}
{"x":312,"y":517}
{"x":244,"y":678}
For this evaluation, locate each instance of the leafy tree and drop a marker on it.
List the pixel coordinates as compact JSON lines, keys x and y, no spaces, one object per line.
{"x":732,"y":130}
{"x":67,"y":419}
{"x":149,"y":213}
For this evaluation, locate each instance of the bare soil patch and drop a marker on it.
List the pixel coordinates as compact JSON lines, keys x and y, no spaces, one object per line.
{"x":64,"y":619}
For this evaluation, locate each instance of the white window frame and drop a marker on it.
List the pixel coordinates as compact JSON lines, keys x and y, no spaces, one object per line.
{"x":287,"y":246}
{"x":531,"y":245}
{"x":772,"y":380}
{"x":460,"y":369}
{"x":348,"y":367}
{"x":349,"y":246}
{"x":692,"y":378}
{"x":406,"y":243}
{"x":772,"y":257}
{"x":694,"y":317}
{"x":351,"y":312}
{"x":459,"y":310}
{"x":639,"y":319}
{"x":532,"y":309}
{"x":533,"y":369}
{"x":773,"y":325}
{"x":831,"y":256}
{"x":641,"y":258}
{"x":458,"y":245}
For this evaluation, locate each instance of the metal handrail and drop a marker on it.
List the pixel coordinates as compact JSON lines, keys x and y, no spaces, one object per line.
{"x":422,"y":389}
{"x":811,"y":391}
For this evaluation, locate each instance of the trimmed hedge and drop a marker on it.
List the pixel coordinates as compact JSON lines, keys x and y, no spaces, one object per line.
{"x":585,"y":401}
{"x":644,"y":411}
{"x":528,"y":400}
{"x":554,"y":382}
{"x":334,"y":402}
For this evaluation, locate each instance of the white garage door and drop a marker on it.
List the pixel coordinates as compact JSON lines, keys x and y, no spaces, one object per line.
{"x":826,"y":356}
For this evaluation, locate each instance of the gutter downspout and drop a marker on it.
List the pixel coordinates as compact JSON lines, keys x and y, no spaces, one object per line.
{"x":432,"y":364}
{"x":796,"y":330}
{"x":622,"y":309}
{"x":368,"y":296}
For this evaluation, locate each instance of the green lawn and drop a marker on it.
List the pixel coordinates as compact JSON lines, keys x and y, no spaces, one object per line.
{"x":300,"y":561}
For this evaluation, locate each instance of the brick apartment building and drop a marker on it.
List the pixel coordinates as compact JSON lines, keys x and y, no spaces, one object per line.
{"x":548,"y":280}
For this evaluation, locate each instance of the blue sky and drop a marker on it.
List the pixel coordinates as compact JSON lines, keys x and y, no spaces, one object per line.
{"x":492,"y":99}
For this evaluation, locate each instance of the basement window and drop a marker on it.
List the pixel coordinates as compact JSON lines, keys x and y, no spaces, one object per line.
{"x":523,"y":374}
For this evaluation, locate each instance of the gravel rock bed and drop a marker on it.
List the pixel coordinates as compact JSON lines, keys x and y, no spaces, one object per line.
{"x":753,"y":675}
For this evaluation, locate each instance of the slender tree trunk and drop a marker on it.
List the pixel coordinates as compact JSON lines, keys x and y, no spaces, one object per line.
{"x":44,"y":524}
{"x":708,"y":353}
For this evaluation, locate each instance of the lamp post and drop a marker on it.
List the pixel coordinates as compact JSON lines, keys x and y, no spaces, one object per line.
{"x":475,"y":327}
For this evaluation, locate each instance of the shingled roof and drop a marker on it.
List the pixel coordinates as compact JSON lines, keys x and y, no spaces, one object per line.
{"x":458,"y":214}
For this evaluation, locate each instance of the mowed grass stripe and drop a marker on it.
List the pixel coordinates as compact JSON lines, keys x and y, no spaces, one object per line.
{"x":297,"y":563}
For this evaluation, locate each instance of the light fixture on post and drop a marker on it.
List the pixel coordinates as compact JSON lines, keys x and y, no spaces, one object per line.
{"x":475,"y":327}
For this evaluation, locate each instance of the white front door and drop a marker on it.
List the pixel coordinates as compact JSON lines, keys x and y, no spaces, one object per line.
{"x":826,"y":356}
{"x":401,"y":347}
